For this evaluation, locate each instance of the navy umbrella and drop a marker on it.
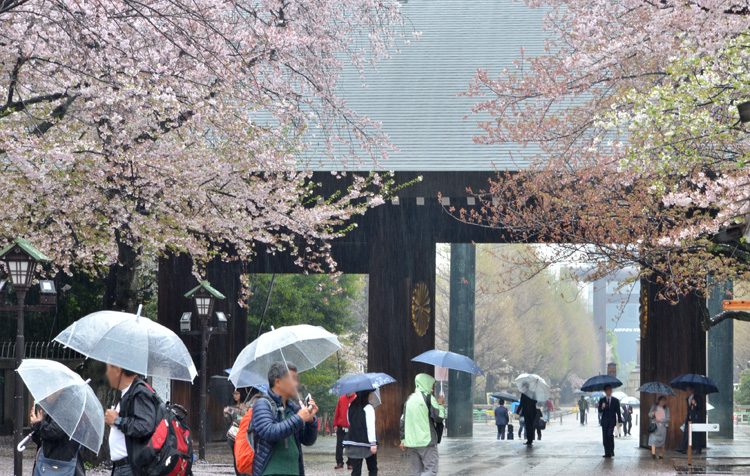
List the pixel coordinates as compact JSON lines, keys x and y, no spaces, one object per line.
{"x":599,"y":382}
{"x":657,"y":388}
{"x":358,"y":383}
{"x":700,"y":383}
{"x":449,"y":360}
{"x":504,"y":396}
{"x":220,"y":388}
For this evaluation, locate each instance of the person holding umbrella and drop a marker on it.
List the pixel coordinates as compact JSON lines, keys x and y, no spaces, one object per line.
{"x":659,"y":416}
{"x":694,"y":415}
{"x":233,"y":414}
{"x":583,"y":409}
{"x":132,"y":421}
{"x":502,"y":419}
{"x":54,"y":444}
{"x":419,"y":435}
{"x":281,"y":426}
{"x":611,"y":417}
{"x":527,"y":410}
{"x":361,"y":443}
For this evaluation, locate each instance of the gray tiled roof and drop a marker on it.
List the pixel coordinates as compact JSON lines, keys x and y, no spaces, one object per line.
{"x":415,"y":94}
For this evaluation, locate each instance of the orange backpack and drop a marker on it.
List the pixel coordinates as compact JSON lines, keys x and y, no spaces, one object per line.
{"x":243,"y":450}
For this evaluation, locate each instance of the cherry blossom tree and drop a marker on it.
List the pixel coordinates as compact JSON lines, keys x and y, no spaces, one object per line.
{"x":131,"y":128}
{"x":641,"y":158}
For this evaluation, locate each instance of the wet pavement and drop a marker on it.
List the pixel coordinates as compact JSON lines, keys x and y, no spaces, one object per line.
{"x":565,"y":449}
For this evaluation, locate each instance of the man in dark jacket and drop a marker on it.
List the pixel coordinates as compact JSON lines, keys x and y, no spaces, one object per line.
{"x":609,"y":409}
{"x":132,"y":421}
{"x":527,"y":409}
{"x":280,"y":427}
{"x":501,"y":419}
{"x":55,"y":443}
{"x":627,"y":418}
{"x":694,"y":415}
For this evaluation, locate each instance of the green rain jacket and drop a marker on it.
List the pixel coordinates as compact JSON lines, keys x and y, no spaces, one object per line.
{"x":416,"y":429}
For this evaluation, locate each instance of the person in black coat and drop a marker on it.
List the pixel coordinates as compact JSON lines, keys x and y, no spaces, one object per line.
{"x":694,"y":415}
{"x":53,"y":441}
{"x":132,"y":421}
{"x":611,"y":416}
{"x":527,"y":409}
{"x":627,"y":418}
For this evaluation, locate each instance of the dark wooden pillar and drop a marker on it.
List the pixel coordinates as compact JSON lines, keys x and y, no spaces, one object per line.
{"x":461,"y":340}
{"x":673,"y":343}
{"x":721,"y":363}
{"x":175,"y":279}
{"x":401,"y":306}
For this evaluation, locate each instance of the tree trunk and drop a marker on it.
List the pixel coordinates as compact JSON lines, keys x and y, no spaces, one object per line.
{"x":673,"y":343}
{"x":122,"y":282}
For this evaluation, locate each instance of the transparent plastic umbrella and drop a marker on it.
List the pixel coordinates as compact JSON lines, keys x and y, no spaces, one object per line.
{"x":304,"y":345}
{"x":65,"y":397}
{"x":533,"y":386}
{"x":132,"y":342}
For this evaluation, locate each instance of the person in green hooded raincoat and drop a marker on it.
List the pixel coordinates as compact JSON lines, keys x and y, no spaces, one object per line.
{"x":422,"y":412}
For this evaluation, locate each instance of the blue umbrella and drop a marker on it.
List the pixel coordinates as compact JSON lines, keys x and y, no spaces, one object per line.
{"x":358,"y":383}
{"x":599,"y":382}
{"x":700,"y":383}
{"x":504,"y":396}
{"x":657,"y":388}
{"x":449,"y":360}
{"x":597,"y":395}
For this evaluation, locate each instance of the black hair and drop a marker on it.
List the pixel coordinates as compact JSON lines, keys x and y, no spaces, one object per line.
{"x":243,"y":396}
{"x":279,"y":370}
{"x":661,"y":397}
{"x":608,"y":386}
{"x":128,"y":373}
{"x":501,"y":401}
{"x":362,"y":400}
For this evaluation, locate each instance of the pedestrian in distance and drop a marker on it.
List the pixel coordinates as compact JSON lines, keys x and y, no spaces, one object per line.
{"x":421,"y":426}
{"x":539,"y":423}
{"x":610,"y":415}
{"x":280,"y":426}
{"x":549,"y":407}
{"x":132,"y":421}
{"x":362,"y":443}
{"x":233,"y":414}
{"x":627,"y":418}
{"x":694,"y":415}
{"x":583,"y":408}
{"x":502,"y":419}
{"x":659,"y":418}
{"x":55,"y":447}
{"x":527,"y":410}
{"x":341,"y":426}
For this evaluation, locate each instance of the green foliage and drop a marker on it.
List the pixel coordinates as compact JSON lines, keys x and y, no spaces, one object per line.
{"x":312,"y":299}
{"x":612,"y":342}
{"x":742,"y":395}
{"x":319,"y":380}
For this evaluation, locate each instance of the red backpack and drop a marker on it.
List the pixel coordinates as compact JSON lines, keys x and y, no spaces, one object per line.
{"x":169,"y":451}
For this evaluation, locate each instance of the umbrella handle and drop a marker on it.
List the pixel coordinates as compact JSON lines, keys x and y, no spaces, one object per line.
{"x":22,"y":445}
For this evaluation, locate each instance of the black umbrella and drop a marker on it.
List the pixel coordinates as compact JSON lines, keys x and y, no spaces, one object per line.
{"x":700,"y":383}
{"x":504,"y":396}
{"x":599,"y":382}
{"x":220,"y":388}
{"x":657,"y":388}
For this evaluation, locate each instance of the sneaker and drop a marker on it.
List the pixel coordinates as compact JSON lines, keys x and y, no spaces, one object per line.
{"x":350,"y":467}
{"x":339,"y":466}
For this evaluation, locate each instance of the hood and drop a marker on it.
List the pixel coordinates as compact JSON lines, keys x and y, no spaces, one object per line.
{"x":424,"y":383}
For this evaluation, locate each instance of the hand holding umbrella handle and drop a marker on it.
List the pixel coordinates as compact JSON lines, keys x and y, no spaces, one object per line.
{"x":22,"y":445}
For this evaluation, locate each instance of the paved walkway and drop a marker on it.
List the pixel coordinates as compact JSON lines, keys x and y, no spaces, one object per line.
{"x":566,"y":449}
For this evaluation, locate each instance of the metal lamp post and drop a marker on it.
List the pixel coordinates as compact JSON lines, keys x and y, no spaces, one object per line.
{"x":21,"y":260}
{"x":203,"y":297}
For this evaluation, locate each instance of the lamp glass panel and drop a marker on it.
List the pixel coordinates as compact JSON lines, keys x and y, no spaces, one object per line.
{"x":203,"y":303}
{"x":20,"y":272}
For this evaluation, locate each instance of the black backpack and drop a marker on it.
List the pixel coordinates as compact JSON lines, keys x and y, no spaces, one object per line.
{"x":439,"y":426}
{"x":169,"y":451}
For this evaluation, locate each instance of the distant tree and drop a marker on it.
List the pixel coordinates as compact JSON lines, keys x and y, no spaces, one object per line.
{"x":318,"y":300}
{"x":535,"y":324}
{"x":613,"y":356}
{"x":742,"y":395}
{"x":319,"y":380}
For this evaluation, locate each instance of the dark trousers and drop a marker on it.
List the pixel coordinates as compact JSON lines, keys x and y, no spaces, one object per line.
{"x":522,"y":428}
{"x":699,"y":441}
{"x":539,"y":434}
{"x":122,"y":471}
{"x":340,"y":435}
{"x":501,"y":432}
{"x":583,"y":418}
{"x":372,"y":466}
{"x":608,"y":437}
{"x":627,"y":426}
